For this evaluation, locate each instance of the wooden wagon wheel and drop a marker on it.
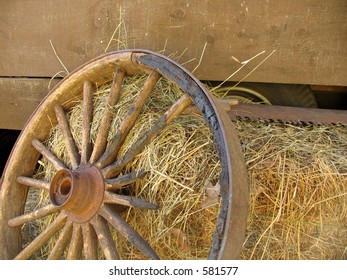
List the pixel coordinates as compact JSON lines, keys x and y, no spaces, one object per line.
{"x":81,"y":194}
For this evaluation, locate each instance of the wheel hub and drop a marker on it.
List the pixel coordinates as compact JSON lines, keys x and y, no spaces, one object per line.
{"x":80,"y":192}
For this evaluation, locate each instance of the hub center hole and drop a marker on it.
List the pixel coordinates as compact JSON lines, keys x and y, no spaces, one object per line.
{"x":65,"y":187}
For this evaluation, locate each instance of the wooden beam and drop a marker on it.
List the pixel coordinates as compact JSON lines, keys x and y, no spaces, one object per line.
{"x":309,"y":36}
{"x":18,"y":99}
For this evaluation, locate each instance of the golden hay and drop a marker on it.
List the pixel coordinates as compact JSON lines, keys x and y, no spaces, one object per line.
{"x":297,"y":175}
{"x":298,"y":179}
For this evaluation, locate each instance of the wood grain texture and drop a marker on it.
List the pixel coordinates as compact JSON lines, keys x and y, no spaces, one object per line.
{"x":309,"y":36}
{"x":18,"y":99}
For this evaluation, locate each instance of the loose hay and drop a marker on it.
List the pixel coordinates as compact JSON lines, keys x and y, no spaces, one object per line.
{"x":297,"y":178}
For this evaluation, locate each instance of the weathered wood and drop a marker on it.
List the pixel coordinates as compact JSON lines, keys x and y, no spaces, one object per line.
{"x":309,"y":36}
{"x":90,"y":245}
{"x":19,"y":97}
{"x":131,"y":201}
{"x":44,"y":236}
{"x":62,"y":242}
{"x":175,"y":110}
{"x":105,"y":124}
{"x":34,"y":215}
{"x":128,"y":122}
{"x":124,"y":180}
{"x":34,"y":183}
{"x":76,"y":244}
{"x":52,"y":158}
{"x":105,"y":238}
{"x":68,"y":139}
{"x":87,"y":112}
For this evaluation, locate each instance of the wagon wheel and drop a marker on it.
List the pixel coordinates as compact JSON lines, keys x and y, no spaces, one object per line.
{"x":82,"y":194}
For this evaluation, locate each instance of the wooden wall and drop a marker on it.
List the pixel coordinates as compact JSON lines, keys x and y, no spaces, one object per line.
{"x":309,"y":36}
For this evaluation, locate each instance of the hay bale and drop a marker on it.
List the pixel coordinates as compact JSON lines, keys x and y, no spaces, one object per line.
{"x":297,"y":178}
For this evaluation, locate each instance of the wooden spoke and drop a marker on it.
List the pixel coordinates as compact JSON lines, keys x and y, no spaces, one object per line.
{"x":191,"y":110}
{"x":62,"y":242}
{"x":90,"y":246}
{"x":127,"y":231}
{"x":38,"y":242}
{"x":174,"y":111}
{"x":105,"y":238}
{"x":52,"y":158}
{"x":105,"y":124}
{"x":177,"y":108}
{"x":76,"y":244}
{"x":34,"y":183}
{"x":87,"y":112}
{"x":37,"y":214}
{"x":68,"y":139}
{"x":132,"y":201}
{"x":129,"y":121}
{"x":121,"y":181}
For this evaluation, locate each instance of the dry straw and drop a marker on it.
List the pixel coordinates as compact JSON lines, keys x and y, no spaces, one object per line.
{"x":298,"y":199}
{"x":297,"y":175}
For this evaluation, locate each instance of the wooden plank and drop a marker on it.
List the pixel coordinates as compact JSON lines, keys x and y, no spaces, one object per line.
{"x":19,"y":98}
{"x":309,"y":36}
